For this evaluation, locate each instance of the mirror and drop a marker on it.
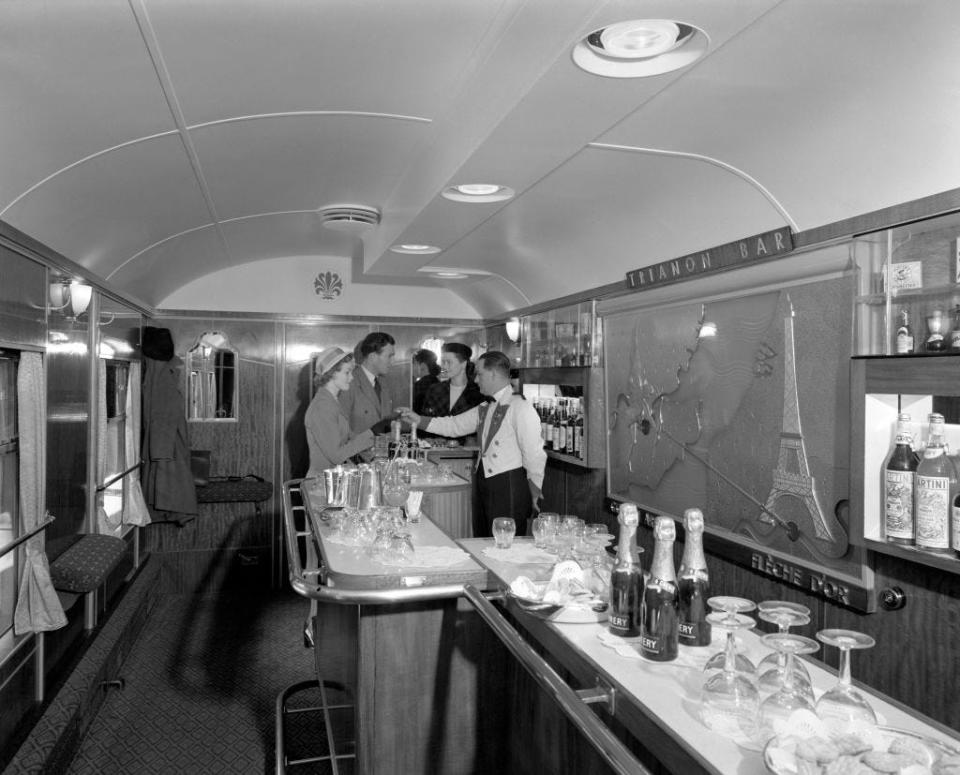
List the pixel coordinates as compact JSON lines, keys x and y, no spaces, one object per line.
{"x":212,"y":378}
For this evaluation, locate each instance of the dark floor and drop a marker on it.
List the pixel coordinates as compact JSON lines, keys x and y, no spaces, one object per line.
{"x":201,"y":684}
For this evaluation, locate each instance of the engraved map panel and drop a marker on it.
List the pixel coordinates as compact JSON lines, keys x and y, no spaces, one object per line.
{"x":740,"y":407}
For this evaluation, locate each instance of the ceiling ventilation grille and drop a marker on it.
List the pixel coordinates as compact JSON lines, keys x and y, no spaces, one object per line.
{"x":350,"y":218}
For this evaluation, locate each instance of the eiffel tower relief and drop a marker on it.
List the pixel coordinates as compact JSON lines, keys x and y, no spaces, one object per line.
{"x":792,"y":477}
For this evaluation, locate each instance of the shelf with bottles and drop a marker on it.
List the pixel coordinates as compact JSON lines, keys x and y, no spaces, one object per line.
{"x":570,"y":405}
{"x":893,"y":398}
{"x":911,"y":271}
{"x":561,"y":338}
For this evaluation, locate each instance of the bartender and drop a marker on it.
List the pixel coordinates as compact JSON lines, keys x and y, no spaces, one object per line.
{"x":512,"y":461}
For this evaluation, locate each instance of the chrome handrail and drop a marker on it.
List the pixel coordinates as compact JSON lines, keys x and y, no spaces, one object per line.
{"x":614,"y":752}
{"x":7,"y":548}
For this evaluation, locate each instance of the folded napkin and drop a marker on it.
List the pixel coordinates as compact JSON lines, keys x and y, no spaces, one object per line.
{"x":522,"y":552}
{"x":630,"y":648}
{"x":430,"y":557}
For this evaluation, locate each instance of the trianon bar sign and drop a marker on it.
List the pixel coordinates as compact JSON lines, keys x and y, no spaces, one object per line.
{"x":730,"y":256}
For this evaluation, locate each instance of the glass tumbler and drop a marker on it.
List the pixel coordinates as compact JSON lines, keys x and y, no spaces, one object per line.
{"x":504,"y":529}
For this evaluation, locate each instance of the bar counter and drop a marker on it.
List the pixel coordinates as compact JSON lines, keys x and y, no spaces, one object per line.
{"x":434,"y":683}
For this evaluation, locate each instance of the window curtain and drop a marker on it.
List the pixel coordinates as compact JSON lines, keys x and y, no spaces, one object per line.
{"x":38,"y":607}
{"x":104,"y":523}
{"x":135,"y":511}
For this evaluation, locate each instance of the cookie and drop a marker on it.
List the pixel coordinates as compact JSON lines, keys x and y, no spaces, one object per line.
{"x":817,"y":750}
{"x":914,"y":749}
{"x":882,"y":761}
{"x":851,"y":745}
{"x":847,"y":765}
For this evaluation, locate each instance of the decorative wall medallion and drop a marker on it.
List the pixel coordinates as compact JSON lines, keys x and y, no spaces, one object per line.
{"x":328,"y":285}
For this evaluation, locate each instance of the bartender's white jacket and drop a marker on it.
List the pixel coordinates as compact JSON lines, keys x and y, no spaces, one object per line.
{"x":516,"y":442}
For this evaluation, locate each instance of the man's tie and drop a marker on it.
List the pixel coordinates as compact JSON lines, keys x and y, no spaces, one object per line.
{"x":376,"y":389}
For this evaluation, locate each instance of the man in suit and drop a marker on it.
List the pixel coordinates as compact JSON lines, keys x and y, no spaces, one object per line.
{"x":511,"y":464}
{"x":367,"y":402}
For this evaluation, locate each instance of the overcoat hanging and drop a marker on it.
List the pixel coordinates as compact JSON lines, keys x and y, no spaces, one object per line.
{"x":167,"y":477}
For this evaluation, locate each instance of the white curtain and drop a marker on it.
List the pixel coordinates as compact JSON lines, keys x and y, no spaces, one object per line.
{"x":135,"y":510}
{"x":104,"y":523}
{"x":38,"y":607}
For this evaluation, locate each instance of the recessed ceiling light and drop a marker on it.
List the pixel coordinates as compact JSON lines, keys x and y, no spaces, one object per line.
{"x":415,"y":250}
{"x":449,"y":275}
{"x":478,"y":192}
{"x":640,"y":47}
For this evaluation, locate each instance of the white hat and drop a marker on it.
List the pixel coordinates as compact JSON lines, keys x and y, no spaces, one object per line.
{"x":329,"y":358}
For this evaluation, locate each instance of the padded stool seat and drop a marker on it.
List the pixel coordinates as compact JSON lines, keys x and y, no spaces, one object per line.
{"x":87,"y":563}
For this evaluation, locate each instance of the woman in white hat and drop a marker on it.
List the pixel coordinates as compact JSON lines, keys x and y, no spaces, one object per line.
{"x":328,"y":431}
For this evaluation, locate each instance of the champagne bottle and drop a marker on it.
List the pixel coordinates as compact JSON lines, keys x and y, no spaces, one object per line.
{"x":936,"y":476}
{"x":694,"y":584}
{"x":658,"y":614}
{"x":899,"y":475}
{"x":626,"y":578}
{"x":904,"y":340}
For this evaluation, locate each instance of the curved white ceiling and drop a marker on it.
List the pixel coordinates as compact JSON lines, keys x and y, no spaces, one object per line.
{"x":156,"y":142}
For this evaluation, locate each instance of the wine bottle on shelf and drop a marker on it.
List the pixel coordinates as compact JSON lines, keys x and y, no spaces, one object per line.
{"x":547,"y":425}
{"x":659,"y":635}
{"x":562,"y":435}
{"x":899,"y":480}
{"x":555,"y":435}
{"x":936,"y":479}
{"x":626,"y":578}
{"x":693,"y":582}
{"x":578,"y":431}
{"x":904,"y":338}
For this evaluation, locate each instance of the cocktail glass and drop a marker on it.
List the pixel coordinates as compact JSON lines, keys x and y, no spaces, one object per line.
{"x":844,"y":703}
{"x":772,"y":667}
{"x":729,"y":700}
{"x":731,"y":607}
{"x":775,"y":710}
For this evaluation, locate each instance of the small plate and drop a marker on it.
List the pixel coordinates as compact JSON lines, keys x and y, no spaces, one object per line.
{"x":886,"y":734}
{"x":578,"y":613}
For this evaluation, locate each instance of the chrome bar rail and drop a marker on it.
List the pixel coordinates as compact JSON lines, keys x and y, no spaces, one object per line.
{"x":571,"y":702}
{"x":614,"y":753}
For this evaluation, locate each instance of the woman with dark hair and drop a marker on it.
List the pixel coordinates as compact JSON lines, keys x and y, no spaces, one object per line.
{"x":459,"y":392}
{"x":328,"y":431}
{"x":426,"y":374}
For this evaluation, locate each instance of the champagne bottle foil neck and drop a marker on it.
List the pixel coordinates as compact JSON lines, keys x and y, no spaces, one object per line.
{"x":664,"y":530}
{"x":693,"y":521}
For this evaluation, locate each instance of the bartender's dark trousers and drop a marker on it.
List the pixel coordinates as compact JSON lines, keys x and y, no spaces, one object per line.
{"x":502,"y":495}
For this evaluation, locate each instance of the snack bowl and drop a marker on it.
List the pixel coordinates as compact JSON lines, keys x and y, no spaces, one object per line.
{"x":865,"y":750}
{"x":564,"y":598}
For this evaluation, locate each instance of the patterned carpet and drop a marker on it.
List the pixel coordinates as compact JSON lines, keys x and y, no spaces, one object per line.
{"x":201,"y":683}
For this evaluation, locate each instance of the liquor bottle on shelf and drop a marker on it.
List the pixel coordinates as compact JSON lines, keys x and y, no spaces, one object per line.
{"x":955,"y":331}
{"x":555,"y":437}
{"x":693,"y":582}
{"x":578,"y":431}
{"x":562,"y":435}
{"x":904,"y":338}
{"x":626,"y":578}
{"x":935,"y":339}
{"x":899,"y":479}
{"x":658,"y":616}
{"x":936,"y":478}
{"x":547,"y":425}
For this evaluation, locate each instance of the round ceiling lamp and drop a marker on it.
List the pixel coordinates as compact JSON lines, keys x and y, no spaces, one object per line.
{"x":478,"y":192}
{"x":412,"y":249}
{"x":639,"y":48}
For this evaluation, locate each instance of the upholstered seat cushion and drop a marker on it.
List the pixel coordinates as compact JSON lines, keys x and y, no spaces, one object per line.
{"x":87,"y":563}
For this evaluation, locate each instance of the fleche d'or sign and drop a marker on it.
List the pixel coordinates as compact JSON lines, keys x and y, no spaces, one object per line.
{"x":730,"y":256}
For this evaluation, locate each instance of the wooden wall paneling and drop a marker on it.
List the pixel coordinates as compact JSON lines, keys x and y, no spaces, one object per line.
{"x":17,"y":683}
{"x":441,"y":716}
{"x":915,"y":660}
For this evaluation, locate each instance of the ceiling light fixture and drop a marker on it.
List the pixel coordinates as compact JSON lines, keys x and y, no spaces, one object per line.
{"x":80,"y":296}
{"x":450,"y":275}
{"x":478,"y":192}
{"x":640,"y":47}
{"x":415,"y":250}
{"x":353,"y":219}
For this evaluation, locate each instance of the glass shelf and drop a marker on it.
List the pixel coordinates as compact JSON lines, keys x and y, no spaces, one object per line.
{"x":561,"y":338}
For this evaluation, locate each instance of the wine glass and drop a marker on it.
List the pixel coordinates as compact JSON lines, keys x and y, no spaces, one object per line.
{"x":771,"y":668}
{"x":571,"y":531}
{"x":732,"y":607}
{"x":843,"y":702}
{"x":775,"y":710}
{"x":729,"y":700}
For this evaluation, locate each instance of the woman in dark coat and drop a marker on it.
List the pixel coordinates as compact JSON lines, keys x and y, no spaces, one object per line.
{"x":458,"y":392}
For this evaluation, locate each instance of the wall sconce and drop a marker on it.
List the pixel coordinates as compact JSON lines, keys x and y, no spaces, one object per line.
{"x":74,"y":294}
{"x":80,"y":296}
{"x":513,"y":329}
